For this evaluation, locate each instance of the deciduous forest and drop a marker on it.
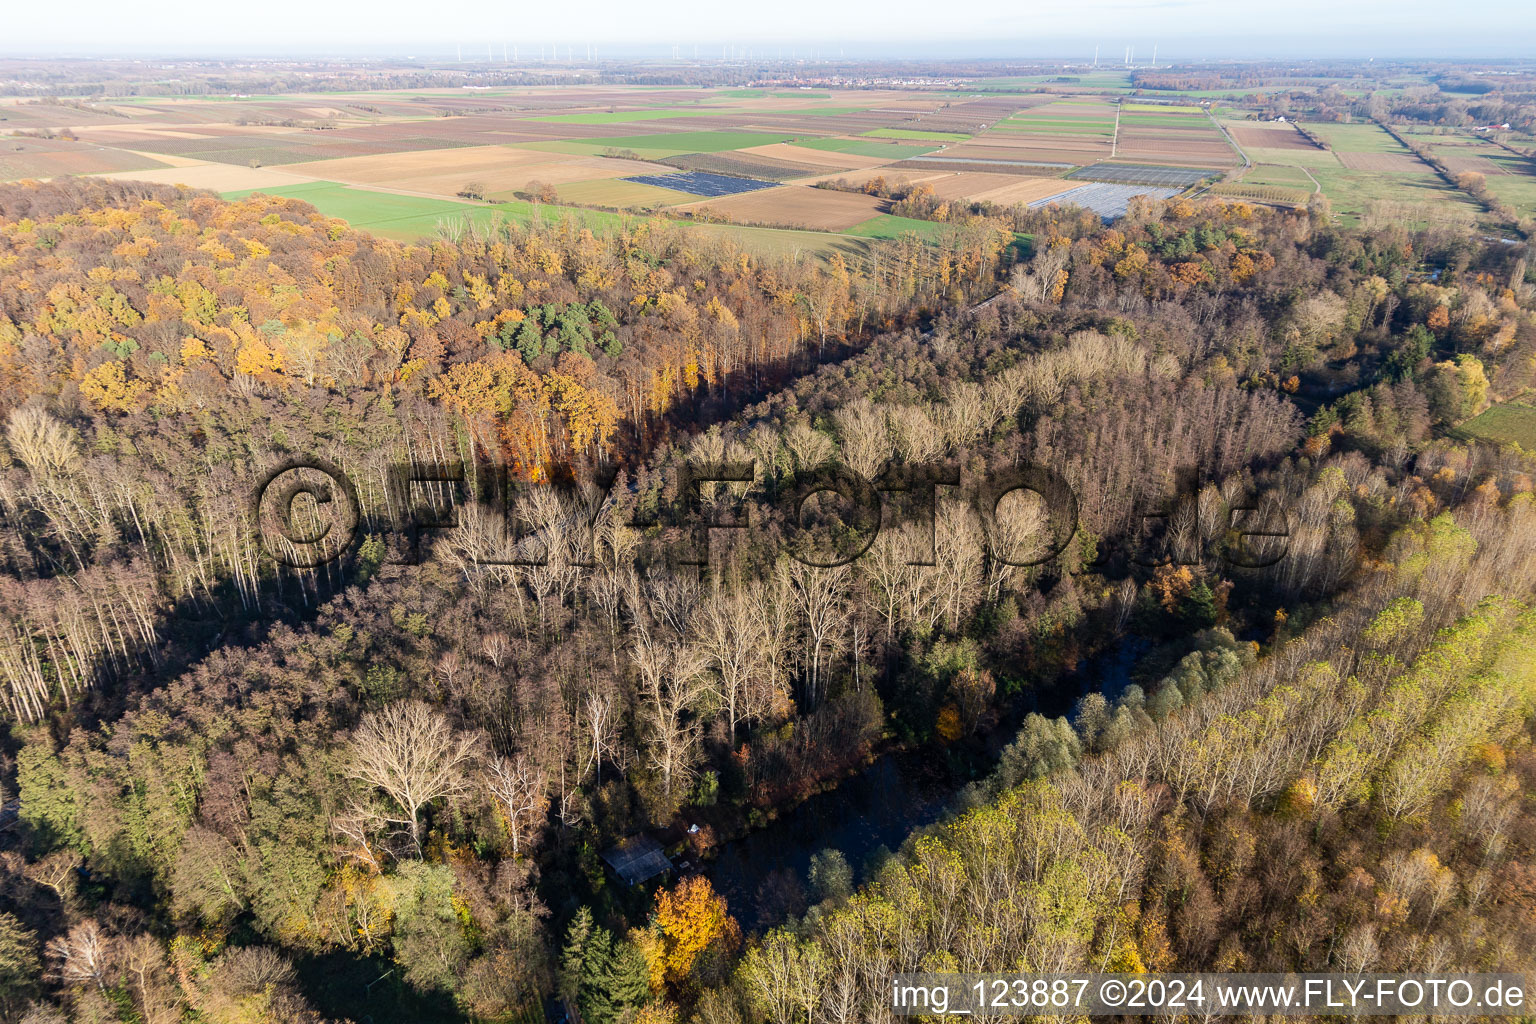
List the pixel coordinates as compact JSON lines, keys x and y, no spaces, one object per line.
{"x":238,"y":788}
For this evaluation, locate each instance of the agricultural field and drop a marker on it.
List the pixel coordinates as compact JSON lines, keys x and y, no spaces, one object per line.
{"x":915,"y":136}
{"x":411,"y":217}
{"x":1413,"y":197}
{"x":1264,"y":136}
{"x":1186,"y":139}
{"x":1278,"y":194}
{"x":619,"y":193}
{"x":401,"y":161}
{"x":500,"y":170}
{"x":1141,"y":174}
{"x":1367,"y":175}
{"x":1001,"y":189}
{"x":890,"y":226}
{"x":662,"y":144}
{"x":1510,"y":177}
{"x":866,"y":148}
{"x":809,"y":154}
{"x":1073,"y":130}
{"x":46,"y":158}
{"x":1279,"y":175}
{"x":1517,"y":187}
{"x":1506,"y":423}
{"x":745,"y":164}
{"x":1358,"y":138}
{"x":702,"y":183}
{"x":795,"y":206}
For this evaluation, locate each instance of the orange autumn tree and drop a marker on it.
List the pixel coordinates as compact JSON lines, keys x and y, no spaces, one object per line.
{"x":693,"y":926}
{"x":491,"y":390}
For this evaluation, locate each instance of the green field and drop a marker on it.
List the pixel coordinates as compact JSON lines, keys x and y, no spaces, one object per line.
{"x":1160,"y":108}
{"x":1518,"y":188}
{"x":862,"y":147}
{"x":1081,"y":126}
{"x":409,"y":218}
{"x":1351,"y":192}
{"x":1155,"y":121}
{"x":406,"y":218}
{"x":890,"y":226}
{"x":1516,"y":185}
{"x":1357,"y":138}
{"x":785,"y":241}
{"x":1278,"y":175}
{"x":915,"y":136}
{"x":1509,"y":423}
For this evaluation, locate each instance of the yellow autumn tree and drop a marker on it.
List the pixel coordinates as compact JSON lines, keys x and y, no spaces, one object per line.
{"x":107,"y":388}
{"x":591,"y":417}
{"x":692,"y":919}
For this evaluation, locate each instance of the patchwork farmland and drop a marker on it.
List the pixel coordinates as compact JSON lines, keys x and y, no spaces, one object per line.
{"x":401,"y":161}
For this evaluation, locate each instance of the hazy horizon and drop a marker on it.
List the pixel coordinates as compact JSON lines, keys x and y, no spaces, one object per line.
{"x":1181,"y":30}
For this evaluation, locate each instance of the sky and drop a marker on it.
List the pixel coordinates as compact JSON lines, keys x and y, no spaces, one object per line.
{"x":1181,"y":29}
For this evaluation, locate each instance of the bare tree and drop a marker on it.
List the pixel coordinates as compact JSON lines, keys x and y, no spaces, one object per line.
{"x":734,"y":637}
{"x":914,"y":432}
{"x":354,"y":829}
{"x":1037,"y":282}
{"x":84,"y":956}
{"x":148,"y":979}
{"x":411,"y":753}
{"x":48,"y":447}
{"x":598,"y":727}
{"x":820,"y":594}
{"x":958,"y":558}
{"x":809,"y":446}
{"x":520,"y":788}
{"x":58,"y":871}
{"x":671,"y":687}
{"x":495,"y":646}
{"x":862,"y":433}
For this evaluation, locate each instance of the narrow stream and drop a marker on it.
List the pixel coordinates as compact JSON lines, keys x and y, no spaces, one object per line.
{"x":763,"y":875}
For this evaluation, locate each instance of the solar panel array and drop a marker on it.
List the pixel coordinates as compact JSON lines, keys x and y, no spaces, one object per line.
{"x":702,"y":183}
{"x":1107,"y":200}
{"x":1141,"y":174}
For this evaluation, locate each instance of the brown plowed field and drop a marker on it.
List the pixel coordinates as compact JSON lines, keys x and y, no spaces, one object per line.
{"x":445,"y":172}
{"x":216,"y":177}
{"x":1043,"y":153}
{"x":1476,"y":164}
{"x":1195,"y":153}
{"x":821,"y":158}
{"x":1269,"y":136}
{"x":1384,"y":162}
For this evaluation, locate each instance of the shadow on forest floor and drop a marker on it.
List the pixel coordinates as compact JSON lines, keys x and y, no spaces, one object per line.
{"x":371,"y":990}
